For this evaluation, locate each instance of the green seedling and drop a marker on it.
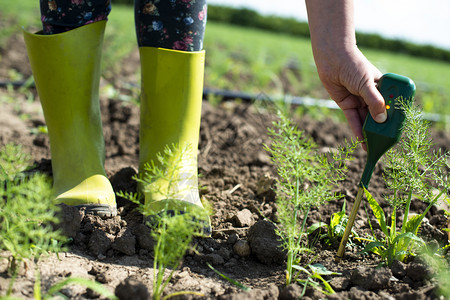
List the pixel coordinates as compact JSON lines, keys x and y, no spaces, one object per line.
{"x":305,"y":180}
{"x":54,"y":290}
{"x":396,"y":245}
{"x":173,"y":235}
{"x":39,"y":129}
{"x":173,"y":231}
{"x":413,"y":171}
{"x":27,"y":210}
{"x":334,"y":230}
{"x":230,"y":280}
{"x":316,"y":271}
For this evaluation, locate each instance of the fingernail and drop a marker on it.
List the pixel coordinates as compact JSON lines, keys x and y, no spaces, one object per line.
{"x":380,"y":118}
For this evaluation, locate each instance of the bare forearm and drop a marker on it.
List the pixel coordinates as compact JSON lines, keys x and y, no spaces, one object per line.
{"x":331,"y":24}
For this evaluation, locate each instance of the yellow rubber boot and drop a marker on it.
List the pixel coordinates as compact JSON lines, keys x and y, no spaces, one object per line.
{"x":66,"y":69}
{"x":171,"y":101}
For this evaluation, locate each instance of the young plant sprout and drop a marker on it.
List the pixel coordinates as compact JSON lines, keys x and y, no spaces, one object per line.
{"x":316,"y":271}
{"x":305,"y":180}
{"x":173,"y":230}
{"x":27,"y":210}
{"x":336,"y":228}
{"x":413,"y":171}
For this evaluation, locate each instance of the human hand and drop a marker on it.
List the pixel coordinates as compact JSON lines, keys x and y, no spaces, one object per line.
{"x":347,"y":75}
{"x":350,"y":80}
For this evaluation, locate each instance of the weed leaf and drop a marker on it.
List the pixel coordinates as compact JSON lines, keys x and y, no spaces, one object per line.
{"x":337,"y":218}
{"x":93,"y":285}
{"x":316,"y":226}
{"x":413,"y":223}
{"x":371,"y":246}
{"x":320,"y":269}
{"x":377,"y":211}
{"x":408,"y":235}
{"x":230,"y":280}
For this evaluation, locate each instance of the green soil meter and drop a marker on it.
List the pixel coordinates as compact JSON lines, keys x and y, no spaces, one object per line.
{"x":380,"y":137}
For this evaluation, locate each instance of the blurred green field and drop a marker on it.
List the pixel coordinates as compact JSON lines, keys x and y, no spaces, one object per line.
{"x":249,"y":60}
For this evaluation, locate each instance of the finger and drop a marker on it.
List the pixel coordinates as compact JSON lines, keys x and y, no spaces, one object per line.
{"x":355,"y":111}
{"x":354,"y":120}
{"x":362,"y":115}
{"x":363,"y":111}
{"x":375,"y":102}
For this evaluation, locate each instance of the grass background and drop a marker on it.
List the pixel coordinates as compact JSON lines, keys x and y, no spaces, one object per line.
{"x":249,"y":60}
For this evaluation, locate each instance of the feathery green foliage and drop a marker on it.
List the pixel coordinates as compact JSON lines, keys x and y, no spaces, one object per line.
{"x":413,"y":170}
{"x":441,"y":272}
{"x":173,"y":235}
{"x":27,"y":211}
{"x":306,"y":180}
{"x":173,"y":231}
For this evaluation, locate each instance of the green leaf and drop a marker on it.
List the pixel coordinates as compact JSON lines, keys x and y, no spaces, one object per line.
{"x":337,"y":219}
{"x":393,"y":223}
{"x":413,"y":224}
{"x":408,"y":235}
{"x":399,"y":255}
{"x":316,"y":226}
{"x":37,"y":286}
{"x":328,"y":288}
{"x":377,"y":211}
{"x":230,"y":280}
{"x":93,"y":285}
{"x":300,"y":268}
{"x":321,"y":270}
{"x":9,"y":245}
{"x":371,"y":246}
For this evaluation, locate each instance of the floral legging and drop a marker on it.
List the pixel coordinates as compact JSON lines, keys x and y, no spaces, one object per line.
{"x":170,"y":24}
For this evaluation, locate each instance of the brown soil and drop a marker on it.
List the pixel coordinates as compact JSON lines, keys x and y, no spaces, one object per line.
{"x":236,"y":174}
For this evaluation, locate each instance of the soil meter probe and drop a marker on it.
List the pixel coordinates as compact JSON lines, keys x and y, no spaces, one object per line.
{"x":380,"y":137}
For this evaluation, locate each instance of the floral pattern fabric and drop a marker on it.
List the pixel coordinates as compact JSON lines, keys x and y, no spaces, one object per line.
{"x":170,"y":24}
{"x":59,"y":16}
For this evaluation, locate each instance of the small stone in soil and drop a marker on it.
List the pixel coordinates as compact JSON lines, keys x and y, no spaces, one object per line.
{"x":243,"y":218}
{"x":242,"y":248}
{"x":232,"y":239}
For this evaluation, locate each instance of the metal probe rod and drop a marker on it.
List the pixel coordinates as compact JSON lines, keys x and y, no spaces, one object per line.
{"x":348,"y":228}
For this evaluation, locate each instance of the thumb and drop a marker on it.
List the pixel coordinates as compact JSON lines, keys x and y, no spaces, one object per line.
{"x":375,"y":102}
